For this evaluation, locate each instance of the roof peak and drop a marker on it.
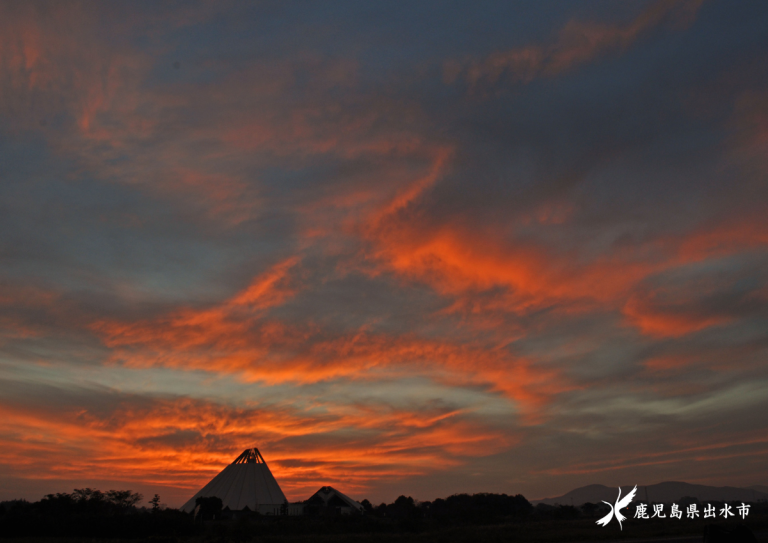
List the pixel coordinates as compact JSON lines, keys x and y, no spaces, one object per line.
{"x":250,"y":456}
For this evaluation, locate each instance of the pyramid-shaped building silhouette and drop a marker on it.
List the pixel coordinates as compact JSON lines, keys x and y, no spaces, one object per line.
{"x":245,"y":484}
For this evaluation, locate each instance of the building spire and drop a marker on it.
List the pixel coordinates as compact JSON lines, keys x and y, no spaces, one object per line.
{"x":250,"y":456}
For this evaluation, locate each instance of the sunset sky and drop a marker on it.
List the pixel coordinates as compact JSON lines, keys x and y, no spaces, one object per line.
{"x":413,"y":248}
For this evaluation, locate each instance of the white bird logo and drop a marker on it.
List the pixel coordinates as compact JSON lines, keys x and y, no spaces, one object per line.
{"x":620,"y":504}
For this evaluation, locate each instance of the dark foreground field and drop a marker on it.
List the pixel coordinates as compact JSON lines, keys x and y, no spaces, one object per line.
{"x":351,"y":530}
{"x":94,"y":517}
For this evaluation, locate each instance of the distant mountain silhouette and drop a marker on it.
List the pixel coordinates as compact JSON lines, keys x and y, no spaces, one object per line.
{"x":666,"y":492}
{"x":759,"y":488}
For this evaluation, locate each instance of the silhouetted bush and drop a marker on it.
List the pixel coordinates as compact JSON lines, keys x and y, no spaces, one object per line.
{"x":210,"y":507}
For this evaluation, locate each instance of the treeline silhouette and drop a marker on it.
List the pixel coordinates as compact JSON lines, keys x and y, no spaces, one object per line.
{"x":459,"y":508}
{"x":91,"y":513}
{"x":116,"y":514}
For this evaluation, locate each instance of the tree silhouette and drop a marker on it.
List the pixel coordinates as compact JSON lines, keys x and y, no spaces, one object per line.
{"x":210,"y":507}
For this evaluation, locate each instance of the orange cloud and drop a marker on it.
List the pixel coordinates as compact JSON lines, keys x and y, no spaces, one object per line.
{"x":750,"y":126}
{"x":667,"y":321}
{"x":16,"y":304}
{"x":676,"y":454}
{"x":276,"y":353}
{"x":462,"y":262}
{"x":49,"y":61}
{"x":737,"y":235}
{"x":489,"y":271}
{"x":180,"y":443}
{"x":55,"y":65}
{"x":239,"y":336}
{"x":225,"y":326}
{"x":577,"y":43}
{"x":670,"y":362}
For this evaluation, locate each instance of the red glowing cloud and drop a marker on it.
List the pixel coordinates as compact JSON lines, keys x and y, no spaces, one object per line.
{"x":168,"y":442}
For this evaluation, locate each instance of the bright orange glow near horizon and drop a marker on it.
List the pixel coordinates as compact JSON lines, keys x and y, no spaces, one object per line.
{"x":509,"y":249}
